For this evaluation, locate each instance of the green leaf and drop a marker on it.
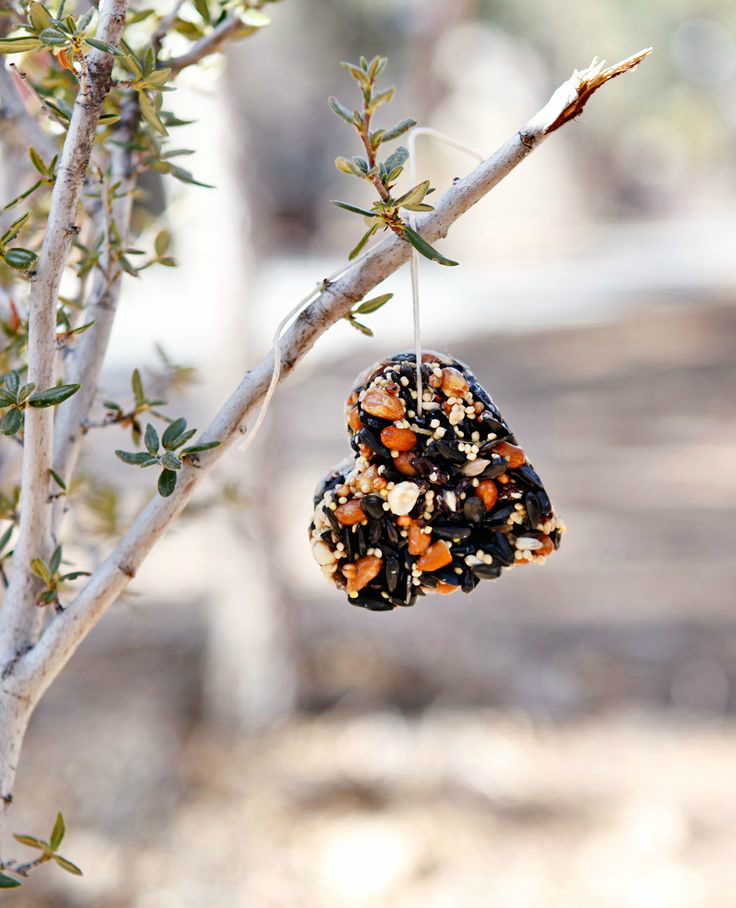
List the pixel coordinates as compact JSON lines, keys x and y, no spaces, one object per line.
{"x":398,"y":130}
{"x":166,"y":483}
{"x":150,"y":439}
{"x":105,"y":47}
{"x":5,"y":538}
{"x":31,"y":840}
{"x":374,"y":304}
{"x":185,"y":177}
{"x":67,"y":865}
{"x":172,"y":431}
{"x":423,"y":247}
{"x":20,"y":259}
{"x":18,"y":45}
{"x":37,"y":161}
{"x":85,"y":20}
{"x":383,"y":97}
{"x":137,"y":385}
{"x":254,"y":18}
{"x":136,"y":458}
{"x":342,"y":111}
{"x":158,"y":78}
{"x":413,"y":196}
{"x":368,"y":214}
{"x":11,"y":421}
{"x":397,"y":158}
{"x":53,"y":396}
{"x":12,"y":382}
{"x":346,"y":166}
{"x":7,"y":882}
{"x":361,"y":242}
{"x":364,"y":329}
{"x":201,"y":446}
{"x":54,"y":564}
{"x":23,"y":195}
{"x":57,"y":833}
{"x":203,"y":10}
{"x":150,"y":113}
{"x":57,"y":479}
{"x":356,"y":73}
{"x":38,"y":569}
{"x":73,"y":575}
{"x":53,"y":37}
{"x":39,"y":16}
{"x":170,"y":461}
{"x":25,"y":391}
{"x":182,"y":439}
{"x":162,"y":242}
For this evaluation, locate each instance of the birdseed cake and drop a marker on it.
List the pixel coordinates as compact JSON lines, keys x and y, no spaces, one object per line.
{"x":432,"y":502}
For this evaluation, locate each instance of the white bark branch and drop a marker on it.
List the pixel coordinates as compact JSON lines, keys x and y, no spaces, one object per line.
{"x":19,"y":618}
{"x":32,"y":672}
{"x":84,"y":363}
{"x":206,"y":45}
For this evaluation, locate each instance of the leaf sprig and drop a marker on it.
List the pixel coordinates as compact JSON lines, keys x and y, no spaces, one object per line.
{"x":53,"y":579}
{"x":16,"y":397}
{"x":66,"y":36}
{"x":385,"y":211}
{"x":49,"y":849}
{"x":18,"y":258}
{"x":163,"y":452}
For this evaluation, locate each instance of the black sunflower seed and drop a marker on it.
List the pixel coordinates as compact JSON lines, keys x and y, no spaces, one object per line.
{"x":392,"y":572}
{"x":366,"y":437}
{"x":448,"y":531}
{"x":361,"y":541}
{"x":447,"y":451}
{"x":375,"y":530}
{"x":334,"y":522}
{"x":446,"y":576}
{"x":392,"y":534}
{"x":372,"y":506}
{"x":499,"y":514}
{"x":534,"y":512}
{"x":531,"y":476}
{"x":474,"y":509}
{"x":486,"y":571}
{"x":497,"y":466}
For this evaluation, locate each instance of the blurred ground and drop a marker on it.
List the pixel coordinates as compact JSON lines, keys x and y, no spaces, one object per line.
{"x":594,"y":767}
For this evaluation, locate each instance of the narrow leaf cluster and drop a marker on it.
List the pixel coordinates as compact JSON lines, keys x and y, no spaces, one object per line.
{"x":49,"y":851}
{"x":385,"y":211}
{"x":15,"y":397}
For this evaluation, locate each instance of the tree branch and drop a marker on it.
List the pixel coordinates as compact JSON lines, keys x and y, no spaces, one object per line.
{"x":206,"y":45}
{"x":19,"y":619}
{"x":84,"y":362}
{"x":32,"y":672}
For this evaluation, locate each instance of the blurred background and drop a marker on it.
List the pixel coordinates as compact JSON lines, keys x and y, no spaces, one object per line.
{"x":234,"y":734}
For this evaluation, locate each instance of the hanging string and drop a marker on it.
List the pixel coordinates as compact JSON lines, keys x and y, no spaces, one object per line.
{"x":414,"y":266}
{"x":276,"y":373}
{"x":414,"y":260}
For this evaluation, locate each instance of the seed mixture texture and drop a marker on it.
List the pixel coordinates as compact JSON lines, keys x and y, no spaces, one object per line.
{"x":430,"y":503}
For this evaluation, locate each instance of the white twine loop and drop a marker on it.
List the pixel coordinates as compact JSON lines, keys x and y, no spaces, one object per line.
{"x":414,"y":260}
{"x":414,"y":265}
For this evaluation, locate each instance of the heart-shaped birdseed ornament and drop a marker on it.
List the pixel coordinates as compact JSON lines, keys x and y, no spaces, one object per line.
{"x":432,"y":502}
